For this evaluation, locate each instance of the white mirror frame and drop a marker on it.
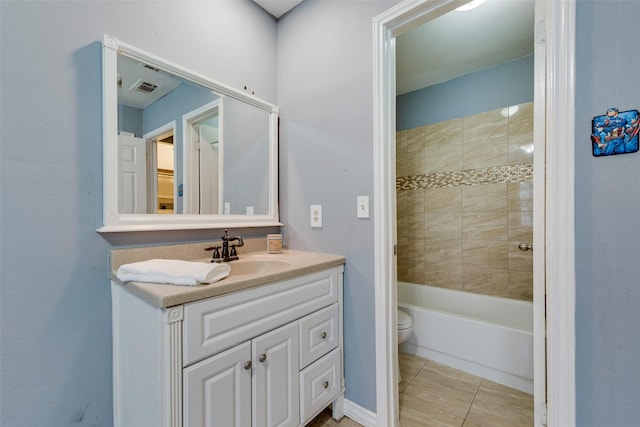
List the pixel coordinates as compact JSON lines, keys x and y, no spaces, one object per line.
{"x":117,"y":222}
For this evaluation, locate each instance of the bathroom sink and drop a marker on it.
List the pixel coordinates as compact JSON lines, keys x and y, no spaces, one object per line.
{"x":243,"y":267}
{"x":258,"y":263}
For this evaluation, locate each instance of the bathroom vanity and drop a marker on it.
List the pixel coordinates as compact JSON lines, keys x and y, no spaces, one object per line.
{"x":262,"y":347}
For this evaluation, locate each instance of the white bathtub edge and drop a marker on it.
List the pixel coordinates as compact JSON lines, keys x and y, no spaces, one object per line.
{"x":522,"y":384}
{"x":484,"y":336}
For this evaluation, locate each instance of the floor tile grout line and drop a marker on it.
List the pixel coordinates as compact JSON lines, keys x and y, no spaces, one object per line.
{"x":472,"y":400}
{"x":429,"y":364}
{"x":416,"y":375}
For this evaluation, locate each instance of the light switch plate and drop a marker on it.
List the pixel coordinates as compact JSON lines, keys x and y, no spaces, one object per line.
{"x":316,"y":216}
{"x":363,"y":207}
{"x":227,"y":208}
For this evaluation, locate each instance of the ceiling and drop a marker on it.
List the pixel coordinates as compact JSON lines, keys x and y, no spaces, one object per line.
{"x":133,"y":74}
{"x":277,"y":7}
{"x":450,"y":46}
{"x":460,"y":43}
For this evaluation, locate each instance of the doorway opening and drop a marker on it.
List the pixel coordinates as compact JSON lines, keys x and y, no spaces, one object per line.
{"x":553,"y":205}
{"x":161,"y":161}
{"x":464,"y":197}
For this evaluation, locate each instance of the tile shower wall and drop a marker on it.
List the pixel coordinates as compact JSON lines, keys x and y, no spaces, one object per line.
{"x":465,"y":202}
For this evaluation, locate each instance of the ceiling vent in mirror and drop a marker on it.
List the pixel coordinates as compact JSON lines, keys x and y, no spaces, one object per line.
{"x":144,"y":87}
{"x":150,"y":67}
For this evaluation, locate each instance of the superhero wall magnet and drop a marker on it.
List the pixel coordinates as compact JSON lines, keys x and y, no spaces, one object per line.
{"x":615,"y":133}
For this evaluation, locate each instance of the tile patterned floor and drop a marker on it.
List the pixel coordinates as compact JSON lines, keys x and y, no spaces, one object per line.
{"x":434,"y":395}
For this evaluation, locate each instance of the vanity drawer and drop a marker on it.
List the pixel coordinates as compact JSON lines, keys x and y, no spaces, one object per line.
{"x":318,"y":334}
{"x":320,"y":384}
{"x":215,"y":324}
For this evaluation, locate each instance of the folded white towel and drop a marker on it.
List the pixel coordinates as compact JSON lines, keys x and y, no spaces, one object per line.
{"x":173,"y":271}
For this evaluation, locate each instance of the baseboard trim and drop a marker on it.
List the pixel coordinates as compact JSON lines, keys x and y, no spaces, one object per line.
{"x":359,"y":414}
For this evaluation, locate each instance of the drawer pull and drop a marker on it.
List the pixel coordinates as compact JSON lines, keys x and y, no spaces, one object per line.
{"x":323,"y":335}
{"x":247,"y":365}
{"x":325,"y":384}
{"x":262,"y":358}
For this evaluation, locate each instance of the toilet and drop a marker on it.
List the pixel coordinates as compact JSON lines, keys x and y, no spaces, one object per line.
{"x":405,"y":326}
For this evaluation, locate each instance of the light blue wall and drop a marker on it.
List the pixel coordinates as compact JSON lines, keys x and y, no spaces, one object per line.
{"x":130,"y":120}
{"x":55,"y":305}
{"x":607,"y":221}
{"x":506,"y":84}
{"x":325,"y":83}
{"x":246,"y":155}
{"x":55,"y":309}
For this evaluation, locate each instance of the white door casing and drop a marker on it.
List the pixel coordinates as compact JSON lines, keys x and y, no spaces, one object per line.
{"x":152,"y":171}
{"x":209,"y":160}
{"x":554,"y":276}
{"x":203,"y":186}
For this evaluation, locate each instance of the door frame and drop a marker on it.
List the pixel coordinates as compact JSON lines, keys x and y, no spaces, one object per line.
{"x":190,"y":157}
{"x":554,"y":257}
{"x":152,"y":166}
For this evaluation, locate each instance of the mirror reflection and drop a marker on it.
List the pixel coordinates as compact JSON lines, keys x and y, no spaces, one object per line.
{"x":185,"y":149}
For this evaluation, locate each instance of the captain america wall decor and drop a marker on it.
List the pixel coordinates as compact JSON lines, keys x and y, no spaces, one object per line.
{"x":615,"y":132}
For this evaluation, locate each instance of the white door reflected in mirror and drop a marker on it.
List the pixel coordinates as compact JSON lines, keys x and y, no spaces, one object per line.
{"x":132,"y":171}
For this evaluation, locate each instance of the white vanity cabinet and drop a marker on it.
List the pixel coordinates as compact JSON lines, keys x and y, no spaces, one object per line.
{"x":221,"y":389}
{"x":265,"y":356}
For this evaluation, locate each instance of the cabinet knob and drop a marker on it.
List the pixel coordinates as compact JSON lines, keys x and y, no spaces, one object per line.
{"x":325,"y":384}
{"x":323,"y":335}
{"x":247,"y":365}
{"x":262,"y":358}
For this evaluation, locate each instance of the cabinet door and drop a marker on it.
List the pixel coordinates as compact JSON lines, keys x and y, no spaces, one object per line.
{"x":275,"y":379}
{"x":217,"y":391}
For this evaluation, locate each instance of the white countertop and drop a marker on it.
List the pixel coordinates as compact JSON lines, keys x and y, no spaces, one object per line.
{"x":298,"y":263}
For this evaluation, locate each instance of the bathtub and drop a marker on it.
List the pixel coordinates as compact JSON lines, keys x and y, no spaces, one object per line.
{"x":487,"y":336}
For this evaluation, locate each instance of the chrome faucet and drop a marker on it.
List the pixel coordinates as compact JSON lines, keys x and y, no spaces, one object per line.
{"x":228,"y":251}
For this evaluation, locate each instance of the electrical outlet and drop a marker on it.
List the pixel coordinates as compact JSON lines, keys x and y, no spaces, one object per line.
{"x":227,"y":208}
{"x":316,"y":216}
{"x":363,"y":207}
{"x":249,"y":210}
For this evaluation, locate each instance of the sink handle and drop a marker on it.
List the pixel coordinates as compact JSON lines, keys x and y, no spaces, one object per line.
{"x":233,"y":255}
{"x":216,"y":253}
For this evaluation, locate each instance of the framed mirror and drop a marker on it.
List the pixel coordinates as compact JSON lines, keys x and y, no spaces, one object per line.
{"x":183,"y":151}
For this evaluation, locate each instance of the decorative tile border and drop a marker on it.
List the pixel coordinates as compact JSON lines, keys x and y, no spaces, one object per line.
{"x":492,"y":175}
